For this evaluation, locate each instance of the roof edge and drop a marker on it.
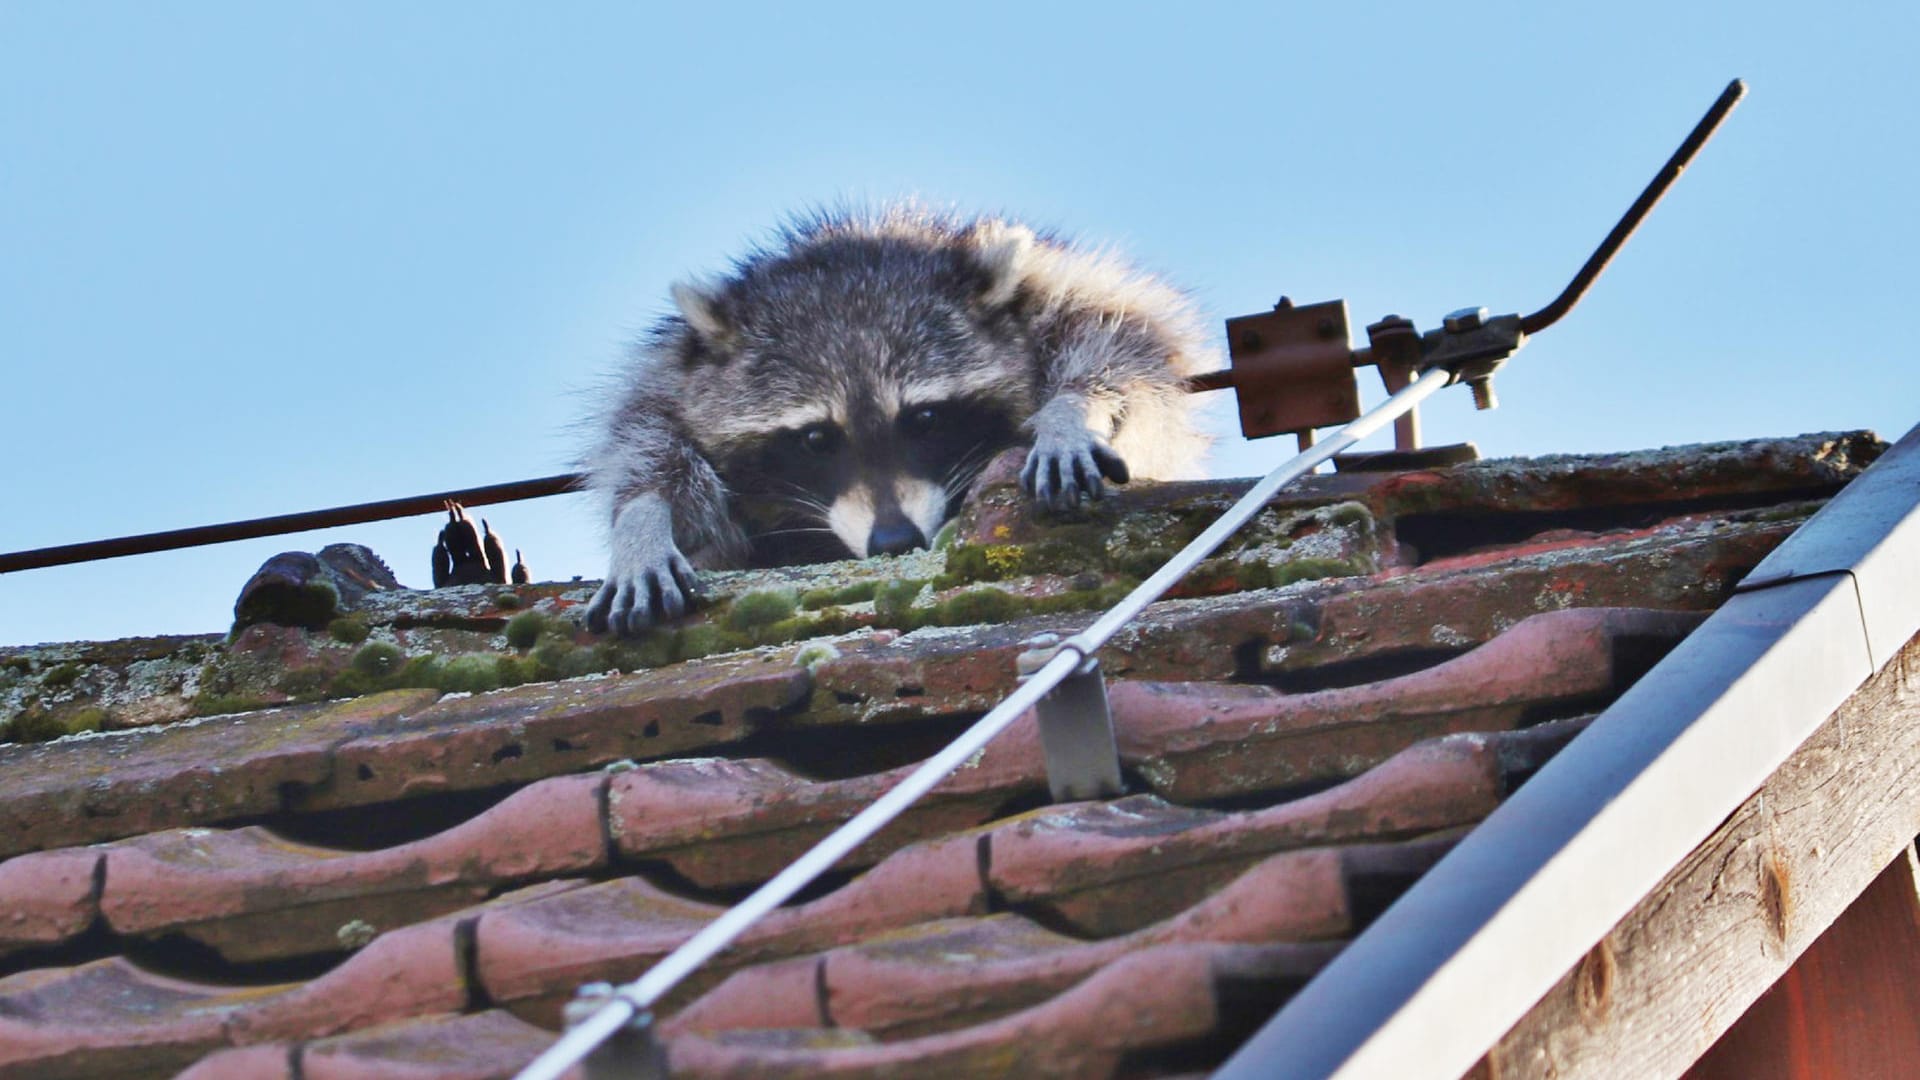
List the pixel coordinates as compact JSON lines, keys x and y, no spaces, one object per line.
{"x":1445,"y":972}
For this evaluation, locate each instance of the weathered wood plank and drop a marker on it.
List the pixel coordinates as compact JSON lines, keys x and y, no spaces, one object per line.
{"x":1690,"y":958}
{"x":1850,"y":1006}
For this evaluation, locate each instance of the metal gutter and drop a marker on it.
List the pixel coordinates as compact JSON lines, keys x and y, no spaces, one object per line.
{"x":1449,"y":968}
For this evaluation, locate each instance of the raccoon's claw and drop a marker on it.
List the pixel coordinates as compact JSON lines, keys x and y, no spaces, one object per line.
{"x":630,"y":603}
{"x":1060,"y":477}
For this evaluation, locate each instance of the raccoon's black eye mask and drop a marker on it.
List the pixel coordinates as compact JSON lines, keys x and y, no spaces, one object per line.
{"x":821,"y":439}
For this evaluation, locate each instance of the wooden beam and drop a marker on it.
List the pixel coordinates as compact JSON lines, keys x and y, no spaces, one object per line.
{"x":1850,"y":1006}
{"x":1662,"y":986}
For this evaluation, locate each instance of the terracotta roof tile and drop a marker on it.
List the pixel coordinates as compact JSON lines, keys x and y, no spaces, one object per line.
{"x":80,"y":790}
{"x":48,"y":897}
{"x":528,"y":732}
{"x":252,"y":895}
{"x":316,"y":890}
{"x":1156,"y":1000}
{"x":445,"y":1048}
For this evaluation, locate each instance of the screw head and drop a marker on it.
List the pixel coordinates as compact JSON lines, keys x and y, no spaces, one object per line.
{"x":1467,"y":318}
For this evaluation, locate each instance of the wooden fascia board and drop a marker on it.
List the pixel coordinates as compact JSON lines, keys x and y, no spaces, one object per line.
{"x":1476,"y":943}
{"x":1671,"y":977}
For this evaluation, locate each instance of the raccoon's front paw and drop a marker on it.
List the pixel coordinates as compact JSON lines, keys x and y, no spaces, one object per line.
{"x":633,"y":599}
{"x":1060,"y":472}
{"x":650,"y":581}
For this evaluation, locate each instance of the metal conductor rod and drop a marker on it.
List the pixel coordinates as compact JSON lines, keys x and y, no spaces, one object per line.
{"x":1636,"y":213}
{"x":628,"y":1001}
{"x":287,"y":523}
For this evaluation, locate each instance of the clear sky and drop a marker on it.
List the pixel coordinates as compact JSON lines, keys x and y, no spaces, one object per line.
{"x":258,"y":258}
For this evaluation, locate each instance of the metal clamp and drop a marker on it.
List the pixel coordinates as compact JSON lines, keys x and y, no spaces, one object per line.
{"x":630,"y":1053}
{"x":1076,"y":726}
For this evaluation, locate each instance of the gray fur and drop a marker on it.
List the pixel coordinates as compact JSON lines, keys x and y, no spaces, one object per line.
{"x":890,"y":308}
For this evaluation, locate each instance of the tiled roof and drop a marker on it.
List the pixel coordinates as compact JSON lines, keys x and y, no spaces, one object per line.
{"x":395,"y":869}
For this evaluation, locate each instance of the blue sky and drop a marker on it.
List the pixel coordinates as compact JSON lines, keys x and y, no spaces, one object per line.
{"x":257,"y":258}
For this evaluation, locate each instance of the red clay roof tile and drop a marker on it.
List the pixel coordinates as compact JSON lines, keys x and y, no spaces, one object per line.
{"x":1299,"y":754}
{"x":253,"y":895}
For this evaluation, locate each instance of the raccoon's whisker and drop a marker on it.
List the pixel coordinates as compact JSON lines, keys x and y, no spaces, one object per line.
{"x":795,"y":531}
{"x":813,"y":508}
{"x":963,"y":473}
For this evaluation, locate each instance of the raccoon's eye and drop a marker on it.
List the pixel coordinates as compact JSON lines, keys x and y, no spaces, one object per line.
{"x":820,"y":438}
{"x":920,"y":420}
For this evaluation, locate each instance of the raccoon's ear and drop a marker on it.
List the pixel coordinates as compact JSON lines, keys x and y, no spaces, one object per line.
{"x":699,"y":304}
{"x":1002,"y":251}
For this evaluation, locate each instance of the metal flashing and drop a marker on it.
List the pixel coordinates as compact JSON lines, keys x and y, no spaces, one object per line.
{"x":1451,"y":966}
{"x":1869,"y":531}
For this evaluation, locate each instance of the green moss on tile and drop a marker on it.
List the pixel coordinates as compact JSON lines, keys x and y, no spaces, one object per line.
{"x":352,"y":683}
{"x":348,"y":630}
{"x":20,"y":665}
{"x":706,"y":639}
{"x":507,"y":601}
{"x":893,"y":601}
{"x":1351,"y":515}
{"x":976,"y":607}
{"x":551,"y":654}
{"x":378,"y":659}
{"x":580,"y":662}
{"x":222,"y":704}
{"x":516,"y":670}
{"x":524,"y":630}
{"x":308,"y":683}
{"x":809,"y":656}
{"x":757,"y":609}
{"x":650,"y":650}
{"x":473,"y":673}
{"x":40,"y":724}
{"x":968,"y":563}
{"x":1292,"y":570}
{"x":857,"y":593}
{"x":33,"y":726}
{"x":89,"y":718}
{"x":421,"y":671}
{"x":61,"y":676}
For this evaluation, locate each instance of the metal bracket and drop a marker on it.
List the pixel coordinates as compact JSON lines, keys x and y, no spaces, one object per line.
{"x":1076,"y":726}
{"x":632,"y":1053}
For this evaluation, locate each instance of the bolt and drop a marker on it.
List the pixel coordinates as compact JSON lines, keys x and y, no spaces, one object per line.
{"x":1327,"y":328}
{"x":1034,"y":654}
{"x":1483,"y":398}
{"x":1250,"y":340}
{"x":1467,"y":318}
{"x":1283,"y":304}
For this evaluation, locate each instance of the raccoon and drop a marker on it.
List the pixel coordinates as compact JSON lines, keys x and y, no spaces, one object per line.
{"x":837,"y":392}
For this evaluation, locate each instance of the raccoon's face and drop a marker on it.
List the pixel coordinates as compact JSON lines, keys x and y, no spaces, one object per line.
{"x":879,"y":481}
{"x":849,"y":392}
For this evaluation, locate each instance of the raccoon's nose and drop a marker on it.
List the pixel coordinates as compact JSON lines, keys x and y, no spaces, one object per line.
{"x":895,"y":538}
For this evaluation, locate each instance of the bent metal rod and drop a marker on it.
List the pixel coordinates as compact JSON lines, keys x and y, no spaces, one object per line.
{"x":624,"y":1003}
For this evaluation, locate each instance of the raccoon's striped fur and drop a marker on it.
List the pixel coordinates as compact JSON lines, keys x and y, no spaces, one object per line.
{"x":839,"y":389}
